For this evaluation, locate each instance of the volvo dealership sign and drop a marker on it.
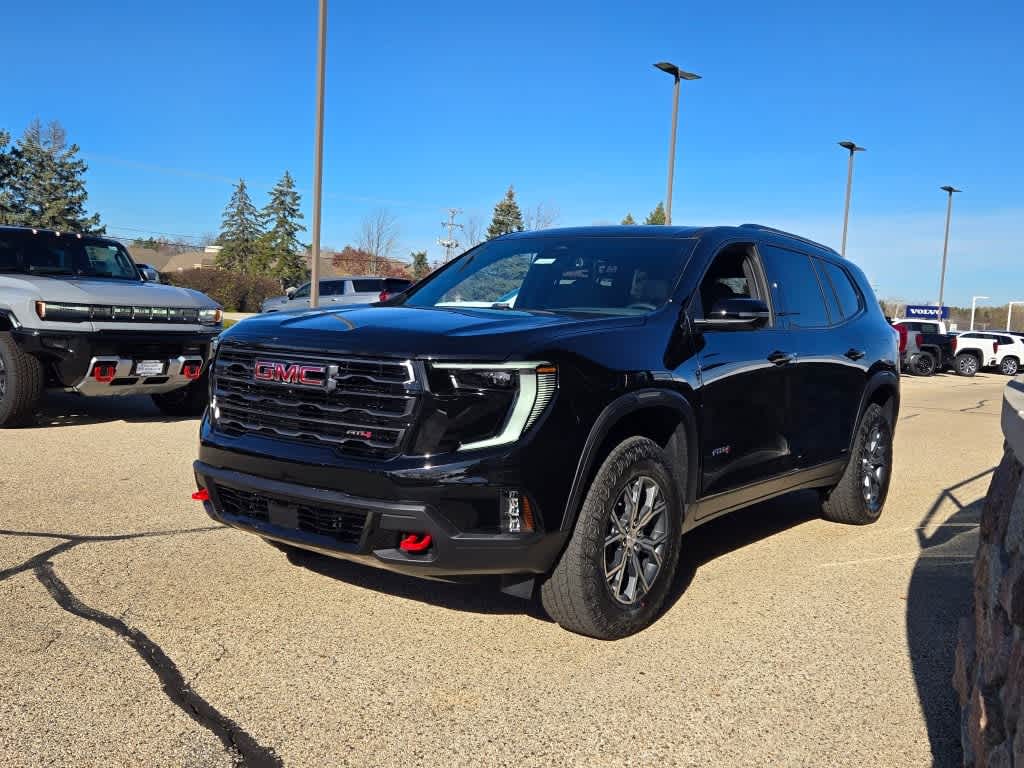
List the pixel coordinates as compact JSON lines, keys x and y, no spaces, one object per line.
{"x":924,"y":312}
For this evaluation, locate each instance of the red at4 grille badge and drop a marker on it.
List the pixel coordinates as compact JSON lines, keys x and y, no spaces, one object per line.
{"x":284,"y":373}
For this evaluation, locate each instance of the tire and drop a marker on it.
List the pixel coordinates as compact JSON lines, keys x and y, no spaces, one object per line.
{"x":1009,"y":366}
{"x":966,"y":364}
{"x":189,"y":401}
{"x":21,"y":384}
{"x":922,"y":364}
{"x":855,"y":500}
{"x":596,"y":588}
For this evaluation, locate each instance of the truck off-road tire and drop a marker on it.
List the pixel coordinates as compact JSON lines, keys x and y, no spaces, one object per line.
{"x":21,"y":384}
{"x":189,"y":401}
{"x":923,"y":364}
{"x":966,"y":364}
{"x":618,"y":567}
{"x":1010,"y":366}
{"x":860,"y":495}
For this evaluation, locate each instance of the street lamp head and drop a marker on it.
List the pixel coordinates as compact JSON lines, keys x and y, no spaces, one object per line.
{"x":850,"y":145}
{"x":675,"y":71}
{"x":950,"y":189}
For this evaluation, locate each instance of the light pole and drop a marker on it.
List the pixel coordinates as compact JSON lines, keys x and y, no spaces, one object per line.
{"x":318,"y":156}
{"x":974,"y":303}
{"x":945,"y":245}
{"x":853,"y":148}
{"x":678,"y":74}
{"x":1009,"y":311}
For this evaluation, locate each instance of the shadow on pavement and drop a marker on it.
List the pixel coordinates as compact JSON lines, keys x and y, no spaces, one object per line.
{"x":938,"y":597}
{"x":700,"y":546}
{"x":67,"y":409}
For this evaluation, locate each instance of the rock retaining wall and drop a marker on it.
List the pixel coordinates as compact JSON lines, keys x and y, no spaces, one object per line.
{"x":989,"y":672}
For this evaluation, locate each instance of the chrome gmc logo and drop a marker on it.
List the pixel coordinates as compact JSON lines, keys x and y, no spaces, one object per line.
{"x":306,"y":375}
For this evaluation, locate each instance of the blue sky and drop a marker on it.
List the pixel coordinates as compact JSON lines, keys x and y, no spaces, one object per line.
{"x":432,"y":105}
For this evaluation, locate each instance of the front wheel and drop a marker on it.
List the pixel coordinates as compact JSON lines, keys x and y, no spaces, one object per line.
{"x":188,"y":401}
{"x":860,"y":495}
{"x":617,"y":569}
{"x":21,"y":384}
{"x":966,"y":364}
{"x":1009,"y":366}
{"x":923,"y":364}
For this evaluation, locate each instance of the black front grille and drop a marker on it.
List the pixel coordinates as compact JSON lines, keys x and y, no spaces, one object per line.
{"x":342,"y":523}
{"x":364,"y":406}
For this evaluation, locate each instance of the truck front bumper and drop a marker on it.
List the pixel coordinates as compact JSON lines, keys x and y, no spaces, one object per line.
{"x":107,"y":362}
{"x":370,"y":530}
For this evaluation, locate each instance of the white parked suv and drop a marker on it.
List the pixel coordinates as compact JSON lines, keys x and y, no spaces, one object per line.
{"x":1007,"y":349}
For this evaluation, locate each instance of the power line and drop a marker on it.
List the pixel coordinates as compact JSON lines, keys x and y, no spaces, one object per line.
{"x":450,"y":243}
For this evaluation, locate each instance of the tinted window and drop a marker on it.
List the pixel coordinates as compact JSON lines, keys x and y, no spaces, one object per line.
{"x":372,"y":285}
{"x":794,"y":282}
{"x":302,"y":293}
{"x":45,"y":253}
{"x":608,"y":275}
{"x":332,"y":287}
{"x":846,"y":294}
{"x":830,"y":295}
{"x":396,"y":285}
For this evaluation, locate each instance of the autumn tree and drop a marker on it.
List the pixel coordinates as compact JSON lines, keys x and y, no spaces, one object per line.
{"x":629,"y":219}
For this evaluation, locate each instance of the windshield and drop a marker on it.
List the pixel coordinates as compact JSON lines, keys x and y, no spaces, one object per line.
{"x":607,"y":275}
{"x":46,"y":253}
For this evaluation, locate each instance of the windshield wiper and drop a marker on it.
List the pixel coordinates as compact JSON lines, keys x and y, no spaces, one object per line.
{"x":49,"y":271}
{"x":500,"y":305}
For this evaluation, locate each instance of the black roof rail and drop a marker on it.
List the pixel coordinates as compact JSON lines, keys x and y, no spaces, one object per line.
{"x":801,"y":238}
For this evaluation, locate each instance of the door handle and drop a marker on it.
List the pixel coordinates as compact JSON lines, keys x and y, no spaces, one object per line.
{"x":781,"y":358}
{"x":854,"y":354}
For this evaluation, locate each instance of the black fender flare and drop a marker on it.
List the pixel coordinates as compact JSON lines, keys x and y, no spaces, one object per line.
{"x":611,"y":416}
{"x":878,"y":380}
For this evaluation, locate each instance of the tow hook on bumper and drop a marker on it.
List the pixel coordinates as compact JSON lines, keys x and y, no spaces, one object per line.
{"x":111,"y":375}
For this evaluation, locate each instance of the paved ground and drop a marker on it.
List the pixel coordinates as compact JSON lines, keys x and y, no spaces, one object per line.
{"x":133,"y":632}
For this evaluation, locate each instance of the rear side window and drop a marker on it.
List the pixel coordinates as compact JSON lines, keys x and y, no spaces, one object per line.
{"x":846,"y":295}
{"x":396,"y":284}
{"x":368,"y":286}
{"x":332,"y":288}
{"x":796,"y":287}
{"x":8,"y":253}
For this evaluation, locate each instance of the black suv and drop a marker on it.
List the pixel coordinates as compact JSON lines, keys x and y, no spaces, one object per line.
{"x":559,"y":407}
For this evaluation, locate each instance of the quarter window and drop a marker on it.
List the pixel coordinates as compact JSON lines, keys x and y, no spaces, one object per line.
{"x":845,"y":292}
{"x":794,"y":282}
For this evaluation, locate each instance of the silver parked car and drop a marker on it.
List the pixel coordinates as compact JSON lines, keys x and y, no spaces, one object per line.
{"x":339,"y":290}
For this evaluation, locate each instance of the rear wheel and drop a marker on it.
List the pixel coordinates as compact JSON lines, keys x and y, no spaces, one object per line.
{"x":21,"y":384}
{"x":923,"y":364}
{"x":1009,"y":366}
{"x":617,"y":569}
{"x":189,"y":401}
{"x":860,"y":495}
{"x":966,"y":364}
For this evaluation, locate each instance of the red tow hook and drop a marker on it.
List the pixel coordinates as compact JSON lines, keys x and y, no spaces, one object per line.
{"x":192,"y":371}
{"x":414,"y":542}
{"x":201,"y":495}
{"x":104,"y":373}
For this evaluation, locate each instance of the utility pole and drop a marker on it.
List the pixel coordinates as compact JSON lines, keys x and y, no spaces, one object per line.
{"x":450,"y":243}
{"x":949,"y":190}
{"x":318,"y":155}
{"x":678,"y":74}
{"x":852,"y":147}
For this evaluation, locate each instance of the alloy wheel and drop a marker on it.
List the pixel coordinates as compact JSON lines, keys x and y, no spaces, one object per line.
{"x":1010,"y":366}
{"x":968,"y":365}
{"x":874,"y":460}
{"x":636,"y":541}
{"x":3,"y":378}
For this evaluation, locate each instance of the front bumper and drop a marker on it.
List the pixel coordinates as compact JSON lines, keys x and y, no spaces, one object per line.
{"x":368,"y":530}
{"x":72,"y":357}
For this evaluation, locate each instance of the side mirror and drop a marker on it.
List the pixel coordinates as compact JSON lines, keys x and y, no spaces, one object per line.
{"x":289,"y":292}
{"x":735,"y":314}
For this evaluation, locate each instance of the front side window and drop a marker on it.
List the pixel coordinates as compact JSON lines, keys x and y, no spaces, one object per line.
{"x":601,"y":275}
{"x":733,"y":274}
{"x":302,"y":293}
{"x":794,"y":281}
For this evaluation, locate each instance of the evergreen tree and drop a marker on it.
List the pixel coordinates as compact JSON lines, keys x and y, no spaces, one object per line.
{"x":6,"y":180}
{"x":47,"y":185}
{"x":282,"y":251}
{"x":507,"y":216}
{"x":657,"y":216}
{"x":240,"y":232}
{"x":629,"y":219}
{"x":420,"y":265}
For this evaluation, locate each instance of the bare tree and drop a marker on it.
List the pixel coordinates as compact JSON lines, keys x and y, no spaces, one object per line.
{"x":473,"y":231}
{"x":378,"y":236}
{"x":542,"y":216}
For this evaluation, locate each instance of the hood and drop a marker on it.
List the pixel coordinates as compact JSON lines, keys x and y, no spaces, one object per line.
{"x":86,"y":290}
{"x":466,"y":334}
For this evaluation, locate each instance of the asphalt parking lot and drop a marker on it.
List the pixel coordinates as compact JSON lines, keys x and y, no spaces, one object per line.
{"x":135,"y":631}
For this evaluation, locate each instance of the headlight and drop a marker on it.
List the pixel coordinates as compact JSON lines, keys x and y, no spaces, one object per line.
{"x":210,"y":316}
{"x":65,"y":313}
{"x":487,"y":405}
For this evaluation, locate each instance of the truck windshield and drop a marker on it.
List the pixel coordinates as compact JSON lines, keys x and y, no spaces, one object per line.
{"x":47,"y":253}
{"x":606,"y":275}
